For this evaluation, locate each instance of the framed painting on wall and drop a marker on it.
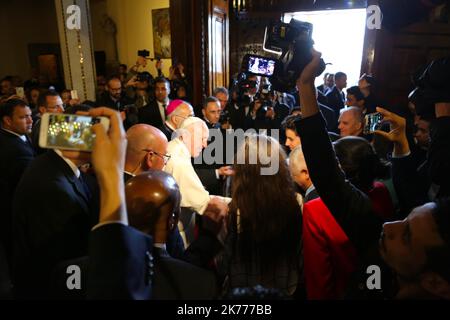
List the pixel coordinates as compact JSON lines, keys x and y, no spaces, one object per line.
{"x":161,"y":33}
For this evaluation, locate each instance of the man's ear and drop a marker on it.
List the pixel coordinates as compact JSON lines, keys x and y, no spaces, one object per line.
{"x":148,"y":161}
{"x":7,"y":120}
{"x":42,"y":109}
{"x":435,"y":284}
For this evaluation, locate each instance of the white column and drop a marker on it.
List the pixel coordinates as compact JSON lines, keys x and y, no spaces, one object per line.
{"x":75,"y":35}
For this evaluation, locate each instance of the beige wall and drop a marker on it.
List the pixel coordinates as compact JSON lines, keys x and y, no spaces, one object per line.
{"x":23,"y":22}
{"x":134,"y":29}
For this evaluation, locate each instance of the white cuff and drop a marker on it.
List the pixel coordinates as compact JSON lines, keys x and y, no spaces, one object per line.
{"x":101,"y":224}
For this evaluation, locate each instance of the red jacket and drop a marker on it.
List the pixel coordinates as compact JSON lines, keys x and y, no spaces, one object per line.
{"x":329,"y":256}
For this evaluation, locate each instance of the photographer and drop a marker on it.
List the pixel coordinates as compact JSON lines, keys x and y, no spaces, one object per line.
{"x":140,"y":89}
{"x":241,"y":105}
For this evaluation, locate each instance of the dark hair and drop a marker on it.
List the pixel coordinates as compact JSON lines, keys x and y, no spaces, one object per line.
{"x":123,"y":66}
{"x":289,"y":123}
{"x":8,"y":78}
{"x":79,"y":107}
{"x":369,"y":79}
{"x":269,"y":214}
{"x":339,"y":75}
{"x":7,"y":108}
{"x":161,"y":80}
{"x":42,"y":101}
{"x":360,"y":162}
{"x":356,"y":92}
{"x":113,"y":77}
{"x":438,"y":257}
{"x":209,"y":100}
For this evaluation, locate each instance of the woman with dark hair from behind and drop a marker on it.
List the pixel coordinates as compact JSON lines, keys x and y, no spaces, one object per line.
{"x":362,"y":167}
{"x":263,"y":245}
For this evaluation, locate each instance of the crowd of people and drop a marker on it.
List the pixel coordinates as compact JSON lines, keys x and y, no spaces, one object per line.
{"x":147,"y":215}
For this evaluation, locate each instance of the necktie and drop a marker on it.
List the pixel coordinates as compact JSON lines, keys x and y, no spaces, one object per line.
{"x":85,"y":188}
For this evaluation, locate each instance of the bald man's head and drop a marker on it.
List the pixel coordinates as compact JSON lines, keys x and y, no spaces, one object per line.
{"x":351,"y":122}
{"x":153,"y":203}
{"x":146,"y":148}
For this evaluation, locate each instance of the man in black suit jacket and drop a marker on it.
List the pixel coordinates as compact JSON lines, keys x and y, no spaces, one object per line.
{"x":17,"y":153}
{"x":155,"y":112}
{"x":54,"y":210}
{"x":113,"y":97}
{"x":211,"y":174}
{"x":147,"y":149}
{"x":335,"y":97}
{"x":120,"y":264}
{"x":49,"y":101}
{"x":153,"y":204}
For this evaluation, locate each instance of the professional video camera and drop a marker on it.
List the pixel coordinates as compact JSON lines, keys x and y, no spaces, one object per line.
{"x":265,"y":96}
{"x":243,"y":85}
{"x":432,"y":86}
{"x":293,"y":41}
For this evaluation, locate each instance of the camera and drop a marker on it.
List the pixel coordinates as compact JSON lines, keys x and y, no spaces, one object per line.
{"x":373,"y":122}
{"x":143,"y":53}
{"x":294,"y":42}
{"x":242,"y":85}
{"x":432,"y":86}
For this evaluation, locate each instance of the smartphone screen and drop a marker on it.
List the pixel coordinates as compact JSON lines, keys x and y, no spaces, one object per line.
{"x":74,"y":94}
{"x":372,"y":122}
{"x":67,"y":132}
{"x":261,"y":66}
{"x":20,"y":92}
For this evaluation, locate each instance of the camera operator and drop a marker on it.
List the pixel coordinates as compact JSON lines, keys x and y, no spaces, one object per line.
{"x":140,"y":89}
{"x":242,"y":95}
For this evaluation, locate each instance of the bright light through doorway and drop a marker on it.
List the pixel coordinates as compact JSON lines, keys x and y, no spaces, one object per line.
{"x":339,"y":35}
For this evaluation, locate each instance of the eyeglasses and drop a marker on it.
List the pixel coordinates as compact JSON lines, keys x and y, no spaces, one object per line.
{"x":165,"y":157}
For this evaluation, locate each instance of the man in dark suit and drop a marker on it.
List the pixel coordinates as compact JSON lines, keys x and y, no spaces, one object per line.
{"x":49,"y":101}
{"x":53,"y":212}
{"x":146,"y":150}
{"x":120,"y":264}
{"x":211,"y":174}
{"x":17,"y":153}
{"x":153,"y":204}
{"x":154,"y":113}
{"x":335,"y":96}
{"x":328,"y":83}
{"x":113,"y":97}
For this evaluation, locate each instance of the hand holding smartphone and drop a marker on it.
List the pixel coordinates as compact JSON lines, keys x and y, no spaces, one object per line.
{"x":373,"y":122}
{"x":69,"y":131}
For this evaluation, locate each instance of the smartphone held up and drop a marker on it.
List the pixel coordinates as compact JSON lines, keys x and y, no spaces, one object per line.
{"x":69,"y":131}
{"x":373,"y":122}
